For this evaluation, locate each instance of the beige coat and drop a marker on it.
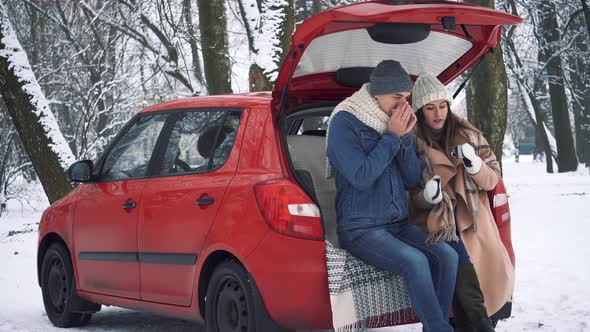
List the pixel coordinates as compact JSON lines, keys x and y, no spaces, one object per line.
{"x":483,"y":243}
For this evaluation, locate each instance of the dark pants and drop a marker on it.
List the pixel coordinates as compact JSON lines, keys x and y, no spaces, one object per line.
{"x":429,"y":270}
{"x":459,"y":247}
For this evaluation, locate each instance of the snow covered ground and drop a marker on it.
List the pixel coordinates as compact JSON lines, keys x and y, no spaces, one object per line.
{"x":551,"y":236}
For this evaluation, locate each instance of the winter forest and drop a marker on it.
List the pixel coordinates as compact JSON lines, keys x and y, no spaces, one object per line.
{"x":73,"y":72}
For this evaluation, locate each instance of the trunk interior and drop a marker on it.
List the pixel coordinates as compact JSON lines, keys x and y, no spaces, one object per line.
{"x":305,"y":136}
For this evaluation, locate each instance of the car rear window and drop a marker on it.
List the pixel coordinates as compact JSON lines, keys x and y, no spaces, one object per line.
{"x":356,"y":48}
{"x":200,"y":141}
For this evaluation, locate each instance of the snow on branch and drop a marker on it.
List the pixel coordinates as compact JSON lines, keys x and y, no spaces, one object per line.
{"x":530,"y":108}
{"x":18,"y":62}
{"x":268,"y":41}
{"x":251,"y":18}
{"x":264,"y":29}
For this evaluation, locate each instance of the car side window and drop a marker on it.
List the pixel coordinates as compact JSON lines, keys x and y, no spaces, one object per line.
{"x":200,"y":141}
{"x":130,"y":157}
{"x":315,"y":125}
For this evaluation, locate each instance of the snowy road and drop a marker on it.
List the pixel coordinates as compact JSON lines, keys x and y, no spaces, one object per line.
{"x":551,"y":236}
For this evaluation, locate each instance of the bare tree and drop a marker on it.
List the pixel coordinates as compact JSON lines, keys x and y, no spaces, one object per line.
{"x":270,"y":31}
{"x":527,"y":83}
{"x":302,"y":11}
{"x":550,"y":49}
{"x":317,"y":6}
{"x":488,"y":94}
{"x":212,"y":21}
{"x":579,"y":87}
{"x":30,"y":113}
{"x":14,"y":168}
{"x":77,"y":66}
{"x":586,"y":14}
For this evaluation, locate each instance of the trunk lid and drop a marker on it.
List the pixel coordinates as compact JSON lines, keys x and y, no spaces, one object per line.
{"x":333,"y":53}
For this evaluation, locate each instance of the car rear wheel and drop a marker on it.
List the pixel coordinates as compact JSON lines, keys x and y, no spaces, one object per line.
{"x":231,"y":305}
{"x":58,"y":288}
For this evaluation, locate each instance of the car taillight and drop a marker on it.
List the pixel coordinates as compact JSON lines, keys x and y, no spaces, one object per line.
{"x":501,"y":207}
{"x":501,"y":211}
{"x":288,"y":210}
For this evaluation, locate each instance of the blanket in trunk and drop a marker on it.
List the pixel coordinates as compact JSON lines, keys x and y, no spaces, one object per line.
{"x":363,"y":296}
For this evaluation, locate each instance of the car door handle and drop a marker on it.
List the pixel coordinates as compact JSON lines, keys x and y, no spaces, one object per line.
{"x":205,"y":200}
{"x":129,"y":205}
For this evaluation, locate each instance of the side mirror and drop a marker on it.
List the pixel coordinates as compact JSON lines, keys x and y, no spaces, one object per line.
{"x":80,"y":171}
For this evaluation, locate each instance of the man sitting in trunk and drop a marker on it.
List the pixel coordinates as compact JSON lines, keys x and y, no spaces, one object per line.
{"x":370,"y":151}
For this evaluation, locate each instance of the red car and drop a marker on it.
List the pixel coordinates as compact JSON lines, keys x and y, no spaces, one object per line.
{"x":197,"y":209}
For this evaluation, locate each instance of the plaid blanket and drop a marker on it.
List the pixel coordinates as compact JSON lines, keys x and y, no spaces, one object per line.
{"x":363,"y":296}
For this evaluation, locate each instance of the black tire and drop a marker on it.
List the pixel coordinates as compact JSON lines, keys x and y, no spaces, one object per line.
{"x":85,"y":319}
{"x":58,"y":288}
{"x":233,"y":302}
{"x":229,"y":305}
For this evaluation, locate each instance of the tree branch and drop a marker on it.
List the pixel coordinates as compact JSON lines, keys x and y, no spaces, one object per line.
{"x":570,"y":20}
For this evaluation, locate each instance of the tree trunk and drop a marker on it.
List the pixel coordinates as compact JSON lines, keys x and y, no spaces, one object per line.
{"x":489,"y":95}
{"x":188,"y":19}
{"x":249,"y":23}
{"x":538,"y":118}
{"x":302,"y":13}
{"x":489,"y":100}
{"x":28,"y":109}
{"x":35,"y":40}
{"x":287,"y":29}
{"x":580,"y":81}
{"x":585,"y":116}
{"x":317,"y":6}
{"x":566,"y":152}
{"x":212,"y":23}
{"x":542,"y":107}
{"x":262,"y":79}
{"x":258,"y":81}
{"x":586,"y":15}
{"x":541,"y":133}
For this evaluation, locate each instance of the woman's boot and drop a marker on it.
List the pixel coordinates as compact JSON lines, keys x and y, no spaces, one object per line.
{"x":468,"y":306}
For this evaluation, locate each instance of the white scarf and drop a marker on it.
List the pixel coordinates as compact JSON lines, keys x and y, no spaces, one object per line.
{"x":365,"y":108}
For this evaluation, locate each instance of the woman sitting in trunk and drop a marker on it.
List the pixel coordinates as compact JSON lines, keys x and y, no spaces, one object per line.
{"x":452,"y":205}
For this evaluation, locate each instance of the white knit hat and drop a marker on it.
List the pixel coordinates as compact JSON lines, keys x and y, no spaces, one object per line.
{"x":427,"y":89}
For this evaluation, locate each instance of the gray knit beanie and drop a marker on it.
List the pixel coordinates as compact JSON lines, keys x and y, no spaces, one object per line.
{"x":389,"y":77}
{"x":427,"y":89}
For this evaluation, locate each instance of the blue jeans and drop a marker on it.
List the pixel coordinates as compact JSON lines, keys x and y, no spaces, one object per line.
{"x":400,"y":248}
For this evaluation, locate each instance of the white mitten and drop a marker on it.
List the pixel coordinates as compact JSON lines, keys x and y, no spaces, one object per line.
{"x":433,"y":190}
{"x":471,"y":160}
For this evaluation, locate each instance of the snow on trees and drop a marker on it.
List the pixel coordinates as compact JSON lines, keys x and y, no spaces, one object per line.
{"x":30,"y":112}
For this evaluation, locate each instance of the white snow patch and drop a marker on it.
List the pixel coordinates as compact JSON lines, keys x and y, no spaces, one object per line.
{"x":550,"y":230}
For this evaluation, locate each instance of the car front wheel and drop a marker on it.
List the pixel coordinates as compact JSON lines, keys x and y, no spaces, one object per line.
{"x":58,"y":288}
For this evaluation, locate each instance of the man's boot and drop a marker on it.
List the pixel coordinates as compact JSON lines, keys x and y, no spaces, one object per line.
{"x":468,"y":306}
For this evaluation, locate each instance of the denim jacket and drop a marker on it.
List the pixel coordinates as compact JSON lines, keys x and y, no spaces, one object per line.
{"x":372,"y":173}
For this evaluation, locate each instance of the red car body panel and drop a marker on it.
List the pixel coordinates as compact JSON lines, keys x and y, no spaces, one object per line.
{"x":289,"y":273}
{"x":295,"y":286}
{"x":171,"y":222}
{"x":102,"y":225}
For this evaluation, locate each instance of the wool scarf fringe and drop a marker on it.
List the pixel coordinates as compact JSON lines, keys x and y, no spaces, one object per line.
{"x":389,"y":319}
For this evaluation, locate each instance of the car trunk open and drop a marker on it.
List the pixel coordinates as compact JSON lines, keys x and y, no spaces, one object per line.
{"x":333,"y":53}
